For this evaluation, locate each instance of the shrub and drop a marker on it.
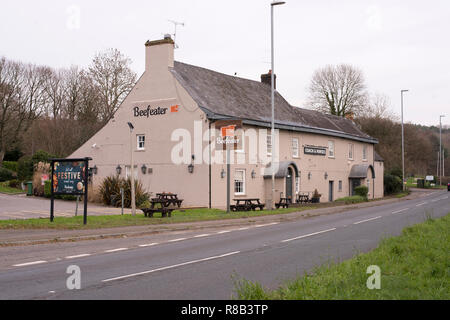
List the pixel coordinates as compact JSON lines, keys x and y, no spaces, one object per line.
{"x":6,"y":174}
{"x":14,"y":184}
{"x":352,"y":199}
{"x":10,"y":165}
{"x":396,"y":172}
{"x":42,"y":156}
{"x":48,"y":188}
{"x":25,"y":168}
{"x":110,"y":192}
{"x":392,"y":184}
{"x":361,"y":191}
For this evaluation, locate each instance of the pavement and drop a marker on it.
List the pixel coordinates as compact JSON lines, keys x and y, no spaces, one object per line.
{"x":204,"y":263}
{"x":11,"y":237}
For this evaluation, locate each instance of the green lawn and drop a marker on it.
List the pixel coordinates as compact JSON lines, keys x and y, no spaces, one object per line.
{"x":110,"y":221}
{"x":415,"y":265}
{"x":4,"y":188}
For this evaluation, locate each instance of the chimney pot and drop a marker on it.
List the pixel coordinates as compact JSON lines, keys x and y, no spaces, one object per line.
{"x":267,"y":79}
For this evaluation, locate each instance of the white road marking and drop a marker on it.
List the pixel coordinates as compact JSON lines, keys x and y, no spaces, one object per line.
{"x":421,"y":204}
{"x":224,"y":231}
{"x":265,"y":225}
{"x":308,"y":235}
{"x":367,"y":220}
{"x":79,"y":256}
{"x":148,"y":244}
{"x":115,"y":250}
{"x":29,"y":263}
{"x":434,"y":200}
{"x":244,"y":228}
{"x":202,"y":235}
{"x":179,"y":239}
{"x":171,"y":267}
{"x":51,"y":292}
{"x":399,"y":211}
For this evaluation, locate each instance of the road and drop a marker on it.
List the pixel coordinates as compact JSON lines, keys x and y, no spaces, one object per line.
{"x":201,"y":264}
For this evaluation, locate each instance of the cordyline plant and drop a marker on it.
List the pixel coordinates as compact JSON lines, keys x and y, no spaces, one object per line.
{"x":110,"y":192}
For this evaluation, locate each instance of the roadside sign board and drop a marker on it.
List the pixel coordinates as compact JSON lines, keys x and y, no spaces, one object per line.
{"x":69,"y":177}
{"x":429,"y":178}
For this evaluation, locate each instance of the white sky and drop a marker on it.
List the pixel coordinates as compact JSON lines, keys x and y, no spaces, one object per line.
{"x":399,"y":44}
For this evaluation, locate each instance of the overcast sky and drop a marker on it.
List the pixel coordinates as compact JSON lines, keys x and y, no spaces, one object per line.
{"x":398,"y":44}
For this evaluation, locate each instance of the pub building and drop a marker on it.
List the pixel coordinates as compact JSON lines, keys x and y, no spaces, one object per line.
{"x":174,"y":108}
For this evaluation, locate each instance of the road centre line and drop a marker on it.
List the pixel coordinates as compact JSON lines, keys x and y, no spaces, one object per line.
{"x":225,"y":231}
{"x":308,"y":235}
{"x":171,"y":267}
{"x":29,"y":263}
{"x":367,"y":220}
{"x":399,"y":211}
{"x":79,"y":256}
{"x":421,"y":204}
{"x":202,"y":235}
{"x":148,"y":244}
{"x":115,"y":250}
{"x":178,"y":239}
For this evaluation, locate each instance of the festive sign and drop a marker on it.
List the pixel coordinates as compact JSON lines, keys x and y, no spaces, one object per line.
{"x":69,"y":177}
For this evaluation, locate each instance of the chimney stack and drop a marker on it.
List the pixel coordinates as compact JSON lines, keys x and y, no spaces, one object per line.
{"x":159,"y":54}
{"x":267,"y":79}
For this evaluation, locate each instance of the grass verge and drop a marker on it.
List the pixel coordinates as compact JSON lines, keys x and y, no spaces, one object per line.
{"x":111,"y":221}
{"x":4,"y":188}
{"x":415,"y":265}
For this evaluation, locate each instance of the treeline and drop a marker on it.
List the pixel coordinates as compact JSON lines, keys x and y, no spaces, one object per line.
{"x":57,"y":110}
{"x":421,"y":145}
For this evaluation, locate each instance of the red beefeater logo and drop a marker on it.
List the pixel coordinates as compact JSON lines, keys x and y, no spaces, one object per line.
{"x":228,"y":131}
{"x":174,"y":108}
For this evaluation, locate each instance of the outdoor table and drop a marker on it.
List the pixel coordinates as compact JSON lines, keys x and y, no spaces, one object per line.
{"x":171,"y":198}
{"x":247,"y":204}
{"x":163,"y":208}
{"x":284,"y":203}
{"x":303,"y":198}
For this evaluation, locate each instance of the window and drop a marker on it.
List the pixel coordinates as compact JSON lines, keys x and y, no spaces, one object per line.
{"x":140,"y":142}
{"x":340,"y":185}
{"x":239,"y":182}
{"x":331,"y":149}
{"x":295,"y":147}
{"x":364,"y":152}
{"x":350,"y":151}
{"x":269,"y":144}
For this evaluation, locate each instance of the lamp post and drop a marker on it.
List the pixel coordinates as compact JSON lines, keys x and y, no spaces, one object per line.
{"x":133,"y":198}
{"x":441,"y":152}
{"x":272,"y":80}
{"x":403,"y":146}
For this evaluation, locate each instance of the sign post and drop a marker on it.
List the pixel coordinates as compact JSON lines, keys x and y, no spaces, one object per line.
{"x":69,"y":177}
{"x":228,"y":140}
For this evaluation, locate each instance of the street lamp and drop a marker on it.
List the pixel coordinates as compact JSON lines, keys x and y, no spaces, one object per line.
{"x":403,"y":146}
{"x":133,"y":197}
{"x":441,"y":154}
{"x":272,"y":83}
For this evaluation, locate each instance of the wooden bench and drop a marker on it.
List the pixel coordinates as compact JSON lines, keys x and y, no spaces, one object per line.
{"x":148,"y":212}
{"x":247,"y":205}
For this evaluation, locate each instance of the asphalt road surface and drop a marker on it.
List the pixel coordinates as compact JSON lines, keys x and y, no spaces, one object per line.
{"x":201,"y":265}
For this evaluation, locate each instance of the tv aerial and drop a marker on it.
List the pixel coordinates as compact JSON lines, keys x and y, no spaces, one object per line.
{"x":176,"y":24}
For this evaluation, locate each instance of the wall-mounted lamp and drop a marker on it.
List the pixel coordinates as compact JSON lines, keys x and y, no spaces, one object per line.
{"x":94,"y":169}
{"x":309,"y":175}
{"x":118,"y":169}
{"x":325,"y":176}
{"x":144,"y":169}
{"x":222,"y":173}
{"x":191,"y":168}
{"x":253,"y":174}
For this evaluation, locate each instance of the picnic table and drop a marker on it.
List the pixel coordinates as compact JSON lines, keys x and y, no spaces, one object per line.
{"x":247,"y":204}
{"x":303,"y":198}
{"x":164,"y":203}
{"x":284,"y":203}
{"x":171,"y":198}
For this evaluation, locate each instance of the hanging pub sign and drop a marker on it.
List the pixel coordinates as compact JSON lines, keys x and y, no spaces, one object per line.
{"x":321,"y":151}
{"x":229,"y":134}
{"x":69,"y":177}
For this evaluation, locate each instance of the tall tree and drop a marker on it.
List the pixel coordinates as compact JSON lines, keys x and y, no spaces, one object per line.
{"x":113,"y":76}
{"x":339,"y":90}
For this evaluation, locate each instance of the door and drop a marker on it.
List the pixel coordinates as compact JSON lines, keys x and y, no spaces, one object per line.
{"x":289,"y":184}
{"x":330,"y":191}
{"x":353,"y":184}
